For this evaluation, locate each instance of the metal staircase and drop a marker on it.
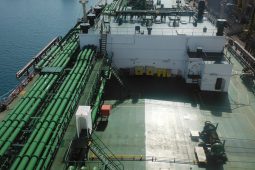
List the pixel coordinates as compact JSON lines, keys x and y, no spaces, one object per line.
{"x":116,"y":74}
{"x":115,"y":71}
{"x":104,"y":154}
{"x":103,"y":43}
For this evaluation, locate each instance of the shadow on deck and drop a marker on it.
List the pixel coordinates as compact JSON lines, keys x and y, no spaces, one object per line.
{"x":249,"y":82}
{"x":168,"y":89}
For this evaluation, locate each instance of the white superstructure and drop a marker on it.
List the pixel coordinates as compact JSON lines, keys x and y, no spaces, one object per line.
{"x":165,"y":46}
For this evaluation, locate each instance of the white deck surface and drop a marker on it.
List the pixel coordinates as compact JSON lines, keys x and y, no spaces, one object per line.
{"x":185,"y":27}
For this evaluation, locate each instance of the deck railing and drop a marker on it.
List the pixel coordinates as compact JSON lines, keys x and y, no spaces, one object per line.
{"x":164,"y":31}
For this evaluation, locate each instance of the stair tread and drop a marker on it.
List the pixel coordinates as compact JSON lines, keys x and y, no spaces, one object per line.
{"x":100,"y":152}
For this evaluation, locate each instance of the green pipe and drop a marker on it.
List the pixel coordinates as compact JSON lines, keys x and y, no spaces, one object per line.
{"x":62,"y":55}
{"x":23,"y":102}
{"x":10,"y":130}
{"x":48,"y":155}
{"x":44,"y":62}
{"x":45,"y":157}
{"x":67,"y":54}
{"x":24,"y":105}
{"x":49,"y":54}
{"x":36,"y":90}
{"x":53,"y":140}
{"x":47,"y":63}
{"x":34,"y":159}
{"x":12,"y":116}
{"x":40,"y":135}
{"x":14,"y":134}
{"x":46,"y":135}
{"x":54,"y":50}
{"x":54,"y":147}
{"x":47,"y":162}
{"x":98,"y":101}
{"x":37,"y":127}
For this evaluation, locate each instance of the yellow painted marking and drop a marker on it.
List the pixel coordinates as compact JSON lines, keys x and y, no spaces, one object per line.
{"x":135,"y":106}
{"x":92,"y":156}
{"x":139,"y":70}
{"x":133,"y":157}
{"x":168,"y":73}
{"x":150,"y":71}
{"x":161,"y":72}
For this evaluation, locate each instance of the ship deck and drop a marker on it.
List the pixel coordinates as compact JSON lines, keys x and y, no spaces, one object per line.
{"x":185,"y":27}
{"x":149,"y":126}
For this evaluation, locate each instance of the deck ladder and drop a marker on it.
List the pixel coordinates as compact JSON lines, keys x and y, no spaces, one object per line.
{"x":104,"y":154}
{"x":116,"y":74}
{"x":103,"y":43}
{"x":115,"y":71}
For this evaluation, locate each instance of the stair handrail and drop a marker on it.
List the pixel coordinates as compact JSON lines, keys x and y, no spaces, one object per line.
{"x":109,"y":161}
{"x":103,"y":35}
{"x":95,"y":138}
{"x":105,"y":147}
{"x":112,"y":65}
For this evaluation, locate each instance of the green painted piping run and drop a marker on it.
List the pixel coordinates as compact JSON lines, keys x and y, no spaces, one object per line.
{"x":97,"y":104}
{"x":16,"y":120}
{"x":56,"y":112}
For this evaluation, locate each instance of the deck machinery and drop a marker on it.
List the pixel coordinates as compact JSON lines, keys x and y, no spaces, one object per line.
{"x":173,"y":41}
{"x":213,"y":146}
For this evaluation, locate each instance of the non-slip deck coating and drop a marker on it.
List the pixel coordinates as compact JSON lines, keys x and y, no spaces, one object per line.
{"x":154,"y":123}
{"x":156,"y":119}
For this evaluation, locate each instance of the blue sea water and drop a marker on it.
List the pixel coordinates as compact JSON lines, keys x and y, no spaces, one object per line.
{"x":26,"y":26}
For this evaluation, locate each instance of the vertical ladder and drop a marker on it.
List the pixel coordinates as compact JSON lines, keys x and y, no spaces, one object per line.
{"x":103,"y":43}
{"x":104,"y":154}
